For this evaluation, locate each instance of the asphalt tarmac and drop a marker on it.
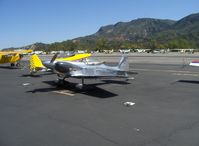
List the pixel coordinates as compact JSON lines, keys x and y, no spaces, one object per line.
{"x":35,"y":111}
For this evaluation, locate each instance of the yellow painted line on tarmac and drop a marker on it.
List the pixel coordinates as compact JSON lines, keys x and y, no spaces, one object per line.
{"x":64,"y":92}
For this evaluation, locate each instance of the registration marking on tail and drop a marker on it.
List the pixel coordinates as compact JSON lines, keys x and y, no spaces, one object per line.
{"x":64,"y":92}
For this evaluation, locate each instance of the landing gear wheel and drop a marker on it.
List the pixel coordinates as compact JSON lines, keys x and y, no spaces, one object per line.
{"x":20,"y":65}
{"x":60,"y":82}
{"x":12,"y":64}
{"x":83,"y":87}
{"x":80,"y":86}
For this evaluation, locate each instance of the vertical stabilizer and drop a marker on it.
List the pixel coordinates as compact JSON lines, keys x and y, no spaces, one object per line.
{"x":123,"y":64}
{"x":35,"y":63}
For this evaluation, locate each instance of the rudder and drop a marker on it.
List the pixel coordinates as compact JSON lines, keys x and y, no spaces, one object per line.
{"x":35,"y":63}
{"x":123,"y":63}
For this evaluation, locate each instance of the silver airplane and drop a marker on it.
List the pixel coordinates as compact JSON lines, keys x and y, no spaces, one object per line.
{"x":84,"y":70}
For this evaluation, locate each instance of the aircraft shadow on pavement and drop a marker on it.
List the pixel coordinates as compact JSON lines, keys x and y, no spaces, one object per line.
{"x":8,"y":67}
{"x":49,"y":89}
{"x":115,"y":82}
{"x":189,"y":81}
{"x":37,"y":75}
{"x":89,"y":89}
{"x":132,"y":73}
{"x":29,"y":75}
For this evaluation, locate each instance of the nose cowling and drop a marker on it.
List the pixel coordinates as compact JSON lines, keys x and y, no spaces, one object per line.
{"x":61,"y":67}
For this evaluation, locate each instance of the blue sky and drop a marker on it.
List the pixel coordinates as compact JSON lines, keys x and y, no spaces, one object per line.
{"x":24,"y":22}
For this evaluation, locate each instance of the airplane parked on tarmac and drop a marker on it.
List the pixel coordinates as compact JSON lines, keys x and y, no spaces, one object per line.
{"x":83,"y":70}
{"x":12,"y":57}
{"x":124,"y":51}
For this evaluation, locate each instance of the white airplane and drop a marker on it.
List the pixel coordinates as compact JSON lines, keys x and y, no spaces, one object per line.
{"x":125,"y":51}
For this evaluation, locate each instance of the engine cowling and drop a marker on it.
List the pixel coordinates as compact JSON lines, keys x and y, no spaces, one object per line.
{"x":62,"y":67}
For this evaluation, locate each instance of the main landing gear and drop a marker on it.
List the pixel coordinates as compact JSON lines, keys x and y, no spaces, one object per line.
{"x":18,"y":65}
{"x":80,"y":86}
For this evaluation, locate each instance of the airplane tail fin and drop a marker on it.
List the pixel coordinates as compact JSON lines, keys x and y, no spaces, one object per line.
{"x":123,"y":63}
{"x":35,"y":64}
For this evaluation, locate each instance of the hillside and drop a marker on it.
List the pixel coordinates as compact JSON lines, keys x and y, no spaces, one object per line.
{"x":148,"y":32}
{"x":134,"y":30}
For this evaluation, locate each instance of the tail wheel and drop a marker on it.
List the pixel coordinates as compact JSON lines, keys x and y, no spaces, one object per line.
{"x":19,"y":65}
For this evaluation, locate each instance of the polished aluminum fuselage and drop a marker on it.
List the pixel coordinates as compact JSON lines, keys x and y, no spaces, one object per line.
{"x":85,"y":70}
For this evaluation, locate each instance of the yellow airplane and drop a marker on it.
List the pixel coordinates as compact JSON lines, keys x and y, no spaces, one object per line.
{"x":12,"y":57}
{"x":37,"y":65}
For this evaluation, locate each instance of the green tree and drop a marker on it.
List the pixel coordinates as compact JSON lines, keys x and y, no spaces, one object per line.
{"x":102,"y":44}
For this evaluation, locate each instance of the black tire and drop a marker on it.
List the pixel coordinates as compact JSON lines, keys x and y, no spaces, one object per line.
{"x":12,"y":64}
{"x":60,"y":82}
{"x":20,"y":65}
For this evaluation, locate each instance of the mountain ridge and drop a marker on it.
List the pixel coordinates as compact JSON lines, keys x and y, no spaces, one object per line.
{"x":168,"y":33}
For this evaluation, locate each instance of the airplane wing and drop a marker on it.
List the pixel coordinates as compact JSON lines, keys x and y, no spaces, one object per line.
{"x":75,"y":57}
{"x":8,"y":54}
{"x":4,"y":53}
{"x":25,"y":51}
{"x":15,"y":52}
